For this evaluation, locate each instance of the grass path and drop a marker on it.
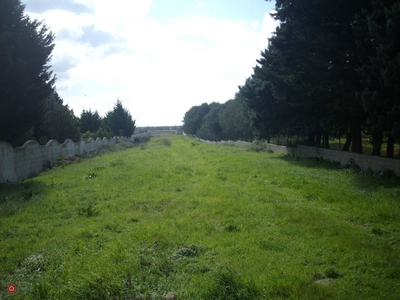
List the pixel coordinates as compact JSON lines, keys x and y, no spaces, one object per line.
{"x":202,"y":222}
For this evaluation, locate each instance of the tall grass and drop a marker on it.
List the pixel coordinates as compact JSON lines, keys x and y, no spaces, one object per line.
{"x":200,"y":221}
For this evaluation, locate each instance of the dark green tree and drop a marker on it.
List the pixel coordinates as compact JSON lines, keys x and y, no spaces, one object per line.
{"x":263,"y":106}
{"x":215,"y":121}
{"x":58,"y":121}
{"x":25,"y":76}
{"x":194,"y":118}
{"x":119,"y":120}
{"x":89,"y":121}
{"x":210,"y":128}
{"x":318,"y":39}
{"x":41,"y":132}
{"x":381,"y":75}
{"x":235,"y":122}
{"x":61,"y":124}
{"x":305,"y":83}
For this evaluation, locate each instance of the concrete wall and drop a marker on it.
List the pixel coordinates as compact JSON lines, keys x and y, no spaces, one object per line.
{"x":17,"y":164}
{"x":163,"y":132}
{"x":365,"y":162}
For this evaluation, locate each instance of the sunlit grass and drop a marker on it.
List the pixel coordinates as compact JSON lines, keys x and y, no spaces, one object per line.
{"x":200,"y":222}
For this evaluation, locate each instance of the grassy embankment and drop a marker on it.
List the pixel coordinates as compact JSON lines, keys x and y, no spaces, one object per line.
{"x":203,"y":222}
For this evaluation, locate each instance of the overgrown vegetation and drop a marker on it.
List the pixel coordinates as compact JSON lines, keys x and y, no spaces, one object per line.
{"x":198,"y":221}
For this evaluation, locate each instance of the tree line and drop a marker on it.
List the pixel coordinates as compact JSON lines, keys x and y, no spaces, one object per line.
{"x":331,"y":69}
{"x":216,"y":121}
{"x":30,"y":107}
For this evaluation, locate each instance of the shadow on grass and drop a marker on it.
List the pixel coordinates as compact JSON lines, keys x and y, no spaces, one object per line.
{"x":13,"y":196}
{"x":364,"y":179}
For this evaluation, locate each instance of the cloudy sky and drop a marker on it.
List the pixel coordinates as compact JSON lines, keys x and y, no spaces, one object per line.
{"x":159,"y":57}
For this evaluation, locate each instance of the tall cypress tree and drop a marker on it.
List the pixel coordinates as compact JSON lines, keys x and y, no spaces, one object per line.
{"x":119,"y":120}
{"x":381,"y":75}
{"x":89,"y":121}
{"x":321,"y":54}
{"x":25,"y":77}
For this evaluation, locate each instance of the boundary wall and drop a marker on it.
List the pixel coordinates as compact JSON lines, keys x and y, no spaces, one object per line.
{"x":365,"y":162}
{"x":20,"y":163}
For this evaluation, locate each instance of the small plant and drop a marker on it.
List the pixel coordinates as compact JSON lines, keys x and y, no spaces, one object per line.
{"x":221,"y":176}
{"x":187,"y":251}
{"x":3,"y":199}
{"x":166,"y":142}
{"x":88,"y":210}
{"x":332,"y":273}
{"x":40,"y":290}
{"x":229,"y":285}
{"x":35,"y":263}
{"x":91,"y":175}
{"x":61,"y":161}
{"x":98,"y":287}
{"x":231,"y":228}
{"x":28,"y":195}
{"x":27,"y":185}
{"x":351,"y":164}
{"x":388,"y":174}
{"x":257,"y":147}
{"x":118,"y":162}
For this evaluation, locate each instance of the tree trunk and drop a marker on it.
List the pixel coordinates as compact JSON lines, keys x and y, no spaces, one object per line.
{"x":349,"y":139}
{"x":390,"y":147}
{"x":357,"y":139}
{"x":318,"y":140}
{"x":326,"y":140}
{"x":311,"y":139}
{"x":377,"y":139}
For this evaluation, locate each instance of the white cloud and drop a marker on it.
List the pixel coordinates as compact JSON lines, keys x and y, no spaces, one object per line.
{"x":255,"y":25}
{"x":158,"y":68}
{"x":268,"y":26}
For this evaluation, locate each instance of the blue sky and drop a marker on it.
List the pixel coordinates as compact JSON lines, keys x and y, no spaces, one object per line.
{"x":158,"y":57}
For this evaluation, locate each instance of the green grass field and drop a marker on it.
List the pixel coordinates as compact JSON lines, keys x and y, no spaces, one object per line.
{"x":199,"y":221}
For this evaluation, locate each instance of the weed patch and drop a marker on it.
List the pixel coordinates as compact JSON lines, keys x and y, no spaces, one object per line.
{"x":88,"y":210}
{"x":91,"y":175}
{"x":227,"y":284}
{"x":166,"y":142}
{"x":187,"y":251}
